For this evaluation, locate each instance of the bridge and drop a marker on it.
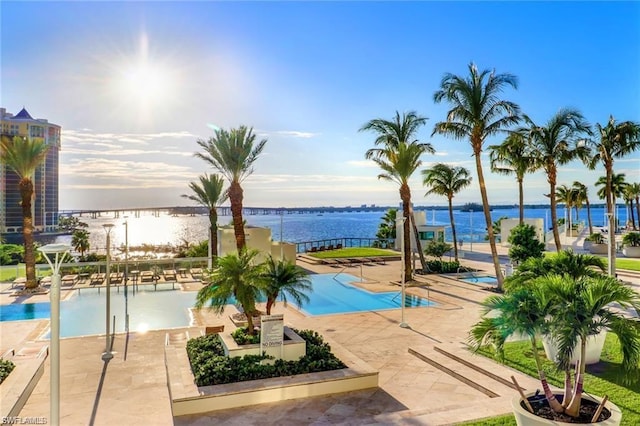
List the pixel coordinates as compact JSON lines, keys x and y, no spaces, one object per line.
{"x":226,"y":211}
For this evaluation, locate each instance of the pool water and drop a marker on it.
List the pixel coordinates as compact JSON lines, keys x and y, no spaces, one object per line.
{"x":332,"y":294}
{"x":480,"y":280}
{"x":83,"y":313}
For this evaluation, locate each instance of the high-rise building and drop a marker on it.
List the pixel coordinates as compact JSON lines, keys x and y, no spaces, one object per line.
{"x":45,"y":179}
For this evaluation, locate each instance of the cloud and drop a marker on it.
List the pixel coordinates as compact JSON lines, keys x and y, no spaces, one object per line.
{"x":296,"y":134}
{"x":362,"y":163}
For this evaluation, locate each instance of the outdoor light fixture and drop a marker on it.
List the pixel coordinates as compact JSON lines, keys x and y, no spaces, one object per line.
{"x":611,"y":267}
{"x":59,"y":250}
{"x":107,"y":355}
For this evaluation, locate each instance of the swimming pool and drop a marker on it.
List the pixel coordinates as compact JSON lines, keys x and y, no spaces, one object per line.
{"x":83,"y":313}
{"x":332,"y":294}
{"x":480,"y":280}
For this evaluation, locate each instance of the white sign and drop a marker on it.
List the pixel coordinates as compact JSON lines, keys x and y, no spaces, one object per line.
{"x":271,"y":332}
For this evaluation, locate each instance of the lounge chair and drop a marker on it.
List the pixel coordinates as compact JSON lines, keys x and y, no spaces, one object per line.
{"x":330,"y":262}
{"x":170,"y":275}
{"x":69,"y":279}
{"x":313,"y":249}
{"x":196,"y":273}
{"x":147,"y":277}
{"x":19,"y":282}
{"x":330,"y":247}
{"x":116,"y":278}
{"x":338,"y":246}
{"x":97,"y":278}
{"x":379,"y":260}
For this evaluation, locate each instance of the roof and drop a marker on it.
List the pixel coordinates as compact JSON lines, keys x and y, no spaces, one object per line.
{"x":23,"y":114}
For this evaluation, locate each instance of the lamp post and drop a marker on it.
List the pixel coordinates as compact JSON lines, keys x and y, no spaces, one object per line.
{"x":59,"y":250}
{"x":107,"y":355}
{"x":126,"y":274}
{"x":611,"y":268}
{"x":403,"y":324}
{"x":210,"y":249}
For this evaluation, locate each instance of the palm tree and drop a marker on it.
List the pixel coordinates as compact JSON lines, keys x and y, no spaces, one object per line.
{"x":616,"y":187}
{"x":233,"y":153}
{"x":557,"y":143}
{"x":629,"y":196}
{"x":80,"y":241}
{"x":477,"y":113}
{"x":209,"y":194}
{"x":615,"y":141}
{"x":387,"y":227}
{"x":582,"y":195}
{"x":520,"y":312}
{"x":398,"y":156}
{"x":24,"y":156}
{"x":566,"y":195}
{"x":238,"y":276}
{"x":283,"y":278}
{"x":635,"y":190}
{"x":582,"y":308}
{"x":448,"y":181}
{"x":512,"y":158}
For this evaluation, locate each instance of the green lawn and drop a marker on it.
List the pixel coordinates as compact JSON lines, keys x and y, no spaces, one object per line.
{"x":604,"y":378}
{"x":353,"y":252}
{"x":629,"y":264}
{"x":8,"y":273}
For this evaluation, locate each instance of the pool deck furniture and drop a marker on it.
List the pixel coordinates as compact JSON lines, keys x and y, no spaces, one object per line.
{"x":182,"y":272}
{"x":97,"y":278}
{"x":19,"y":282}
{"x":196,"y":273}
{"x":169,"y":275}
{"x":69,"y":280}
{"x":213,"y":329}
{"x":116,"y":278}
{"x":379,"y":260}
{"x":147,"y":277}
{"x":83,"y":278}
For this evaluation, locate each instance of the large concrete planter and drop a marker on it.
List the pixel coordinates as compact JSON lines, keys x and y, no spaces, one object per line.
{"x":525,"y":418}
{"x":631,"y":251}
{"x":598,"y":249}
{"x":594,"y":348}
{"x":586,"y":245}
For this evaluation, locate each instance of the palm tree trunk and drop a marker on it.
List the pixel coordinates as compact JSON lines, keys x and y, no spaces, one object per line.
{"x":213,"y":233}
{"x":638,"y":210}
{"x":487,"y":218}
{"x":520,"y":200}
{"x":453,"y":229}
{"x":551,"y":178}
{"x":574,"y":406}
{"x":633,"y":218}
{"x":423,"y":262}
{"x":612,"y":219}
{"x":405,"y":196}
{"x":551,"y":398}
{"x":235,"y":198}
{"x":270,"y":302}
{"x":26,"y":194}
{"x":589,"y":216}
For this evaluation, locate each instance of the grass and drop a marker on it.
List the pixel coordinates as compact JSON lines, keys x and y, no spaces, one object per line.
{"x":353,"y":252}
{"x":628,"y":264}
{"x":604,"y":378}
{"x":506,"y":420}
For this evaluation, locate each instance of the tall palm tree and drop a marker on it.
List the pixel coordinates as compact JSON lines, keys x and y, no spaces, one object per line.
{"x":448,"y":181}
{"x":232,"y":153}
{"x":398,"y":154}
{"x":512,"y":157}
{"x":387,"y":228}
{"x":635,"y":190}
{"x":616,"y":186}
{"x":478,"y":112}
{"x":629,"y":197}
{"x":24,"y":156}
{"x":209,"y":193}
{"x":284,"y":278}
{"x":582,"y":195}
{"x":238,"y":276}
{"x":615,"y":141}
{"x":566,"y":195}
{"x":80,"y":241}
{"x":554,"y":144}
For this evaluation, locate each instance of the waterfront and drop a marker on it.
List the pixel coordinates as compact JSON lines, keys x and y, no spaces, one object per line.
{"x":178,"y":230}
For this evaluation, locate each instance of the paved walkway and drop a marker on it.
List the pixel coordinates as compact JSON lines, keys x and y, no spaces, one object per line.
{"x":411,"y":391}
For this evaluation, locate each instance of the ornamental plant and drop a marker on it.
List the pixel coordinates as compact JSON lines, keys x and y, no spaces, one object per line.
{"x":631,"y":239}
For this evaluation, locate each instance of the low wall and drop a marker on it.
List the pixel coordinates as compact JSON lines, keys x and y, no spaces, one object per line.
{"x":187,"y":398}
{"x":18,"y":386}
{"x":292,"y":349}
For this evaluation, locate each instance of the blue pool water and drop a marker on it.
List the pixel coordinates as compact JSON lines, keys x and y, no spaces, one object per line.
{"x":336,"y":296}
{"x":480,"y":280}
{"x":84,"y":313}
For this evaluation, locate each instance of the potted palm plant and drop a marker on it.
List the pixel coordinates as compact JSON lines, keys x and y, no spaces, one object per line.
{"x":569,"y":310}
{"x":595,"y":244}
{"x":631,"y":244}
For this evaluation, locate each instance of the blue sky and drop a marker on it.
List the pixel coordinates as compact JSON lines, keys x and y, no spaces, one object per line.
{"x":134,"y":85}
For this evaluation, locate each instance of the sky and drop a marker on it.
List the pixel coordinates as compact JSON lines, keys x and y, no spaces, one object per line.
{"x":134,"y":85}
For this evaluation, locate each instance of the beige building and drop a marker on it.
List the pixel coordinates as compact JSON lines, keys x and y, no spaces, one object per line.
{"x":506,"y":225}
{"x":426,"y":232}
{"x":257,"y":238}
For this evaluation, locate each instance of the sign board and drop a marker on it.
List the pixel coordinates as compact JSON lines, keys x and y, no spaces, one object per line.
{"x":272,"y":334}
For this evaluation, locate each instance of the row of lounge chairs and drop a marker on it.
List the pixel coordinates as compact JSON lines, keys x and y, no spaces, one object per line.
{"x":353,"y":261}
{"x":324,"y":248}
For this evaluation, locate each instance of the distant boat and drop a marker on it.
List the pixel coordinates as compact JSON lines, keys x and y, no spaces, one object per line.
{"x":473,"y":207}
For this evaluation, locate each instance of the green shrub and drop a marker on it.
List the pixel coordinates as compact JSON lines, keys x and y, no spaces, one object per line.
{"x":6,"y":367}
{"x":631,"y":239}
{"x":524,"y":243}
{"x":211,"y":367}
{"x":443,"y":267}
{"x":241,"y":337}
{"x":437,"y":248}
{"x":595,"y":238}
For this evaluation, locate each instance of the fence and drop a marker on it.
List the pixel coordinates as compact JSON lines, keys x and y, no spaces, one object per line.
{"x":333,"y":243}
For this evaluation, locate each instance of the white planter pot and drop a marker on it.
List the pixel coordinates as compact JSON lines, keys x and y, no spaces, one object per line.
{"x":525,"y":418}
{"x":631,"y":251}
{"x":586,"y":245}
{"x":599,"y":249}
{"x":594,"y":348}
